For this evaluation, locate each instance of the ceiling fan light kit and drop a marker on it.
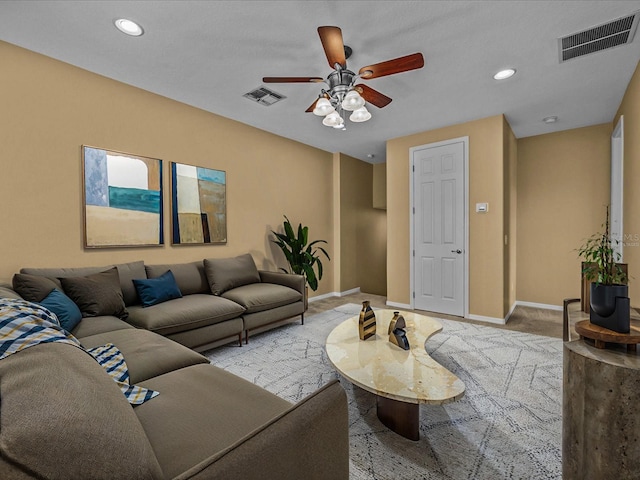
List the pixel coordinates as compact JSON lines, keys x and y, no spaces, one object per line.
{"x":323,"y":107}
{"x":342,"y":93}
{"x":360,"y":115}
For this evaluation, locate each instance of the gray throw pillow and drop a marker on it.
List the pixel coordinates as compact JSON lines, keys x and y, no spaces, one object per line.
{"x":33,"y":288}
{"x":227,"y":273}
{"x":96,"y":295}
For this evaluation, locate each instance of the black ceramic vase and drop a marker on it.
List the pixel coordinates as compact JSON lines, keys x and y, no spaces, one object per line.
{"x":610,"y":307}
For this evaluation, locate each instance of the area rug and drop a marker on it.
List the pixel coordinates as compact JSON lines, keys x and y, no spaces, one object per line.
{"x":507,"y":426}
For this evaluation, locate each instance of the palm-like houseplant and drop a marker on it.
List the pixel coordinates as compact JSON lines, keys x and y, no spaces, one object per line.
{"x":301,"y":255}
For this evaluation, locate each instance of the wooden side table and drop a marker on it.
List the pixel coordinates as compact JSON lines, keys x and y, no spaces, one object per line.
{"x":601,"y":336}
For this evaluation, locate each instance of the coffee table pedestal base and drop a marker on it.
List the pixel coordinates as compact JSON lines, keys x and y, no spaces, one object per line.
{"x":401,"y":417}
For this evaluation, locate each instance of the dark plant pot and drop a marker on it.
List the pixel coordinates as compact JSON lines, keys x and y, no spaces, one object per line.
{"x":603,"y":297}
{"x":610,"y":307}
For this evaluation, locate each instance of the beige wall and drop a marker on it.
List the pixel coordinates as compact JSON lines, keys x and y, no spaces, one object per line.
{"x":510,"y":179}
{"x":380,"y":186}
{"x":630,"y":108}
{"x":563,"y":188}
{"x":486,"y":241}
{"x":363,"y":232}
{"x":49,"y":109}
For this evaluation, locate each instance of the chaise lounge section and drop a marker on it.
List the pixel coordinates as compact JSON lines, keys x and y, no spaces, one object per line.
{"x":62,"y":416}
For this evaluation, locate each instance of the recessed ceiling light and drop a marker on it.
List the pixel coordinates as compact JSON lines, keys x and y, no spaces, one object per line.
{"x":129,"y":27}
{"x":504,"y":74}
{"x":552,"y":119}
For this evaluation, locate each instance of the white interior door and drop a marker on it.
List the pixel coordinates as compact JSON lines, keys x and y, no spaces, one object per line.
{"x":439,"y":228}
{"x":617,"y":182}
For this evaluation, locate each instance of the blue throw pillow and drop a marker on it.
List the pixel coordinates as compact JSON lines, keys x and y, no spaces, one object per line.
{"x":157,"y":290}
{"x":65,"y":309}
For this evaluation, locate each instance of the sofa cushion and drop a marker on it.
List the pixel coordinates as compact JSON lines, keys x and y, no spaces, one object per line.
{"x":68,"y":313}
{"x":186,"y":313}
{"x":190,"y":277}
{"x":227,"y":273}
{"x":112,"y":360}
{"x":97,"y":294}
{"x":239,"y":407}
{"x":63,"y":417}
{"x":141,"y":349}
{"x":33,"y":288}
{"x":262,"y":296}
{"x":126,"y":273}
{"x":94,"y":325}
{"x":7,"y":292}
{"x":157,"y":290}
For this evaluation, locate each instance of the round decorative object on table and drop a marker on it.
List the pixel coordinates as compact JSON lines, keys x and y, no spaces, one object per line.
{"x":601,"y":336}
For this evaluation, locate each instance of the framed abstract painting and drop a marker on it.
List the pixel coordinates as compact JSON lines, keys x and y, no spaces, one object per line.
{"x":198,"y":205}
{"x":122,"y":199}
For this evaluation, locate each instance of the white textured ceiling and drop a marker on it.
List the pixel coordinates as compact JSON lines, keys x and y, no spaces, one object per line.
{"x":209,"y":53}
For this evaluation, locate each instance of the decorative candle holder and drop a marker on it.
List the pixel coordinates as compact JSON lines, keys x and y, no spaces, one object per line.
{"x":396,"y":322}
{"x":397,"y":334}
{"x":367,"y":321}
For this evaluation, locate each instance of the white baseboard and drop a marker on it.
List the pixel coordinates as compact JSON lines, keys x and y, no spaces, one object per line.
{"x":539,"y":305}
{"x":481,"y":318}
{"x":513,"y":307}
{"x":399,"y":305}
{"x":334,"y":294}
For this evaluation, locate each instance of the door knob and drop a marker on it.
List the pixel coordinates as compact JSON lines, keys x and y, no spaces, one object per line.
{"x":456,"y":251}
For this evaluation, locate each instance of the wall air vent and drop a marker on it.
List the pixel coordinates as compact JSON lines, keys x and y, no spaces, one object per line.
{"x":601,"y":37}
{"x":264,"y":96}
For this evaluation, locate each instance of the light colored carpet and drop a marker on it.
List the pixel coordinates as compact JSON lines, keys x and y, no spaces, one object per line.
{"x":507,"y":426}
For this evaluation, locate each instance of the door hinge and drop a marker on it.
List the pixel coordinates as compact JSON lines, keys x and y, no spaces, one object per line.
{"x":414,"y":294}
{"x":414,"y":210}
{"x":414,"y":253}
{"x":413,"y":167}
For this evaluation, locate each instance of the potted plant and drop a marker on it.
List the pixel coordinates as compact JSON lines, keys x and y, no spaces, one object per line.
{"x":609,"y":296}
{"x":303,"y":257}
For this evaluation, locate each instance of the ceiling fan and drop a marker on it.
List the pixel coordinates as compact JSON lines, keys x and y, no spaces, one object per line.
{"x":343,"y":94}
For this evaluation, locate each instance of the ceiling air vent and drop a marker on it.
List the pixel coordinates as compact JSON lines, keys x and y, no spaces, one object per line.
{"x":264,"y":96}
{"x":601,"y":37}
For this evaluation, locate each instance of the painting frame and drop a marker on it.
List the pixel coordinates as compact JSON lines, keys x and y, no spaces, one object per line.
{"x":122,"y":199}
{"x":198,"y":205}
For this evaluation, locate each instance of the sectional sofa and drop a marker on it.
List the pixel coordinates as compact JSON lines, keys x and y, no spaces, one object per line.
{"x":62,"y":417}
{"x":221,"y":299}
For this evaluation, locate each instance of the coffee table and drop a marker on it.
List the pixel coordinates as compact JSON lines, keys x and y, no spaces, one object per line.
{"x":401,"y":379}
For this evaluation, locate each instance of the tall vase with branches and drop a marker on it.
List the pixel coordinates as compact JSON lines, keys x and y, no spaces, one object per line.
{"x":303,"y":256}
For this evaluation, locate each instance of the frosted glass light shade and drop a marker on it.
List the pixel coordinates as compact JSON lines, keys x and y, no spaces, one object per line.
{"x":352,"y":101}
{"x":332,"y":119}
{"x":360,"y":115}
{"x":323,"y":107}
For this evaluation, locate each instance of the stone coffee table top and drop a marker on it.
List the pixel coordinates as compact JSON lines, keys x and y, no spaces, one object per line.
{"x":380,"y":367}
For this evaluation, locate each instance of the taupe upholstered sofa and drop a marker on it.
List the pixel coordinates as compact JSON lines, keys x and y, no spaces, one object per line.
{"x":222,"y":299}
{"x":62,"y":416}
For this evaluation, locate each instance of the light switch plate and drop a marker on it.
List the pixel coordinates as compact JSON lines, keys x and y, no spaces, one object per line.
{"x":482,"y":207}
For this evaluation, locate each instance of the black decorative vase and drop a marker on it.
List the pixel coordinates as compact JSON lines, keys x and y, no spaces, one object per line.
{"x":610,"y":307}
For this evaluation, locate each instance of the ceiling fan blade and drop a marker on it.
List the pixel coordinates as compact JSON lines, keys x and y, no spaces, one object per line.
{"x":331,"y":38}
{"x":372,"y":96}
{"x":390,"y":67}
{"x":313,"y":105}
{"x":292,"y":79}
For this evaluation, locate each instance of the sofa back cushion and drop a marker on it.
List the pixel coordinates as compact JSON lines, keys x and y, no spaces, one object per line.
{"x":34,"y":288}
{"x":63,"y":417}
{"x":227,"y":273}
{"x":190,"y":277}
{"x":126,"y":273}
{"x":97,"y":295}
